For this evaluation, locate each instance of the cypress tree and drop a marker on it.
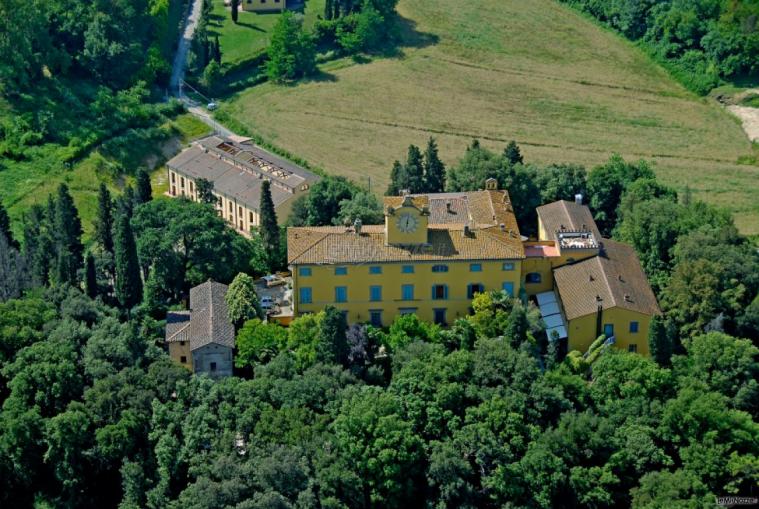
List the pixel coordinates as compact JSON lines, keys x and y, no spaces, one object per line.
{"x":128,"y":282}
{"x":269,"y":226}
{"x":68,"y":232}
{"x":217,"y":50}
{"x":398,"y":180}
{"x":434,"y":169}
{"x":144,"y":190}
{"x":512,"y":154}
{"x":332,"y":341}
{"x":104,"y":219}
{"x":235,"y":6}
{"x":5,"y":228}
{"x":90,"y":279}
{"x":328,"y":9}
{"x":415,"y":169}
{"x":660,"y":341}
{"x":126,"y":202}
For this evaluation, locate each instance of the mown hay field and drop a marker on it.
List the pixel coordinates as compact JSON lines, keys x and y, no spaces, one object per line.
{"x":536,"y":72}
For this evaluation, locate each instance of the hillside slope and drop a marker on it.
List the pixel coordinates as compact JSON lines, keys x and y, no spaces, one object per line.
{"x":536,"y":72}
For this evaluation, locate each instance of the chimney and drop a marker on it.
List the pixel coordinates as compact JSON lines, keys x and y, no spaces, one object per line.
{"x":357,"y":226}
{"x":503,"y":227}
{"x":448,"y":207}
{"x":627,"y":298}
{"x":578,"y":199}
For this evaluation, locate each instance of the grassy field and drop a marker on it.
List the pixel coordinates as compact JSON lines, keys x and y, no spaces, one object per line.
{"x":537,"y":72}
{"x":25,"y":183}
{"x":246,"y":39}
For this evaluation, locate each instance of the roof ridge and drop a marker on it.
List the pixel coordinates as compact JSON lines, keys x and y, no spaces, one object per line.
{"x":178,"y":331}
{"x":606,"y":279}
{"x":324,"y":235}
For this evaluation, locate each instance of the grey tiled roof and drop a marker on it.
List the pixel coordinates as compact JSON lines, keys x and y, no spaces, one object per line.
{"x":176,"y":321}
{"x":209,"y":322}
{"x":206,"y":322}
{"x":238,"y":170}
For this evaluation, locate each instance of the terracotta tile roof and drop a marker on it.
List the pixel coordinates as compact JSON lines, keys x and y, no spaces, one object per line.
{"x":206,"y":322}
{"x":418,"y":201}
{"x":494,"y":234}
{"x":567,"y":215}
{"x":333,"y":245}
{"x":614,"y":278}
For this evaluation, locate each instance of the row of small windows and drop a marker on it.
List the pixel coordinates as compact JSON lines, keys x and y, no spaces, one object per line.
{"x":409,"y":269}
{"x":439,"y":292}
{"x":609,"y":328}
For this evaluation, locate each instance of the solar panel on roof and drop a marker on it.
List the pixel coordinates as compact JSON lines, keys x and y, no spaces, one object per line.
{"x":545,"y":298}
{"x":549,"y":308}
{"x":553,"y":321}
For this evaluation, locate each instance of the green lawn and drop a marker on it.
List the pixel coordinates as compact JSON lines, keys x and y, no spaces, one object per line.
{"x":537,"y":72}
{"x":246,"y":39}
{"x":24,"y":183}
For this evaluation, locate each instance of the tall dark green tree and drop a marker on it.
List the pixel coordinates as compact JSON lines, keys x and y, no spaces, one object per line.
{"x":415,"y":169}
{"x":104,"y":220}
{"x":512,"y":154}
{"x":128,"y":281}
{"x":68,"y":237}
{"x":235,"y":6}
{"x":269,"y":227}
{"x":90,"y":276}
{"x":217,"y":50}
{"x":144,"y":192}
{"x":398,"y":180}
{"x":126,"y":202}
{"x":660,"y":341}
{"x":5,"y":227}
{"x":332,"y":346}
{"x":434,"y":169}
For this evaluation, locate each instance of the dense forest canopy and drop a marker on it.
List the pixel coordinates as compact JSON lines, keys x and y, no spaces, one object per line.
{"x":485,"y":413}
{"x":113,"y":42}
{"x":700,"y":41}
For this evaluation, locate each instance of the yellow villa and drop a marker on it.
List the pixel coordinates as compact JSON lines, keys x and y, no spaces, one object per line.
{"x":434,"y":252}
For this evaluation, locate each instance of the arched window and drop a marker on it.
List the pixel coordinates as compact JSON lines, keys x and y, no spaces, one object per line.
{"x":534,"y":277}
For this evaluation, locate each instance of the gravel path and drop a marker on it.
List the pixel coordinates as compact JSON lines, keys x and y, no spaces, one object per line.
{"x":750,"y":119}
{"x":180,"y":58}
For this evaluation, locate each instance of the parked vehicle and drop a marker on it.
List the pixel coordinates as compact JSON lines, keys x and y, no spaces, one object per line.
{"x":267,"y":302}
{"x":212,"y":106}
{"x":272,"y":280}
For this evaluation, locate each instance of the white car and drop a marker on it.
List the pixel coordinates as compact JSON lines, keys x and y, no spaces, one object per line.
{"x":267,"y":302}
{"x":212,"y":106}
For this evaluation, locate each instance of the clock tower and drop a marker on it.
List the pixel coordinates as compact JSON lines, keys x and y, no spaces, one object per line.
{"x":406,"y":220}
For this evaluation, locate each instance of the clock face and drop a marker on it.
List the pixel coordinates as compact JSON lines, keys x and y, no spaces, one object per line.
{"x":407,"y":223}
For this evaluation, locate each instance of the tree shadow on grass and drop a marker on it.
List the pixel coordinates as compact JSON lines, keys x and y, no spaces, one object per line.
{"x":252,"y":26}
{"x":409,"y":37}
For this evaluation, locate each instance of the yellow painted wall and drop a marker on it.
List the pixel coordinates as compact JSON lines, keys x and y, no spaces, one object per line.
{"x":542,"y":266}
{"x":263,"y":5}
{"x":542,"y":234}
{"x":582,"y":330}
{"x":236,"y":214}
{"x":396,"y":236}
{"x":358,"y":280}
{"x":177,"y":349}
